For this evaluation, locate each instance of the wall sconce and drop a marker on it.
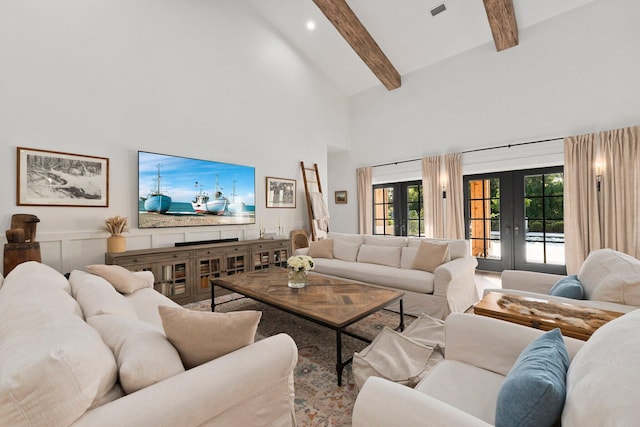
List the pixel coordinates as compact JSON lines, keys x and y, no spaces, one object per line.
{"x":444,"y":191}
{"x":598,"y":167}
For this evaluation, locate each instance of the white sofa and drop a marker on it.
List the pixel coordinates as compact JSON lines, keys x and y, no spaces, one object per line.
{"x":601,"y":382}
{"x":56,"y":370}
{"x":610,"y":280}
{"x":386,"y":261}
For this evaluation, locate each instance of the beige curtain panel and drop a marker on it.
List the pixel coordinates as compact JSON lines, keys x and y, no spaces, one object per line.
{"x":581,"y":213}
{"x":365,"y":200}
{"x":620,"y":152}
{"x":432,"y":197}
{"x":454,"y":203}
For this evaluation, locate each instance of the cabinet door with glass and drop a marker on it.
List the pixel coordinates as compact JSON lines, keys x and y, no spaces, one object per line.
{"x":270,"y":253}
{"x":173,"y":278}
{"x":209,"y":265}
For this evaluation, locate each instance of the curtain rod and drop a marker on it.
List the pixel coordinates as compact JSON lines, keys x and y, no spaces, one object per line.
{"x":478,"y":149}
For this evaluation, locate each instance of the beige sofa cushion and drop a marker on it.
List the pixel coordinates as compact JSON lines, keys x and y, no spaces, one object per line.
{"x":321,"y":249}
{"x":381,"y":255}
{"x":396,"y":241}
{"x":345,"y":250}
{"x":122,"y":279}
{"x":203,"y":336}
{"x":97,"y":296}
{"x":430,"y":255}
{"x":602,"y":381}
{"x":612,"y":276}
{"x":144,"y":355}
{"x":54,"y":365}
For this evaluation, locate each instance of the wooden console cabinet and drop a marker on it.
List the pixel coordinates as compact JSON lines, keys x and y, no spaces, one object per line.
{"x":183,"y":273}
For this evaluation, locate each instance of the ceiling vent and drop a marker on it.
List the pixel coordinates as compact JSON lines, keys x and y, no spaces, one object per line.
{"x":438,"y":9}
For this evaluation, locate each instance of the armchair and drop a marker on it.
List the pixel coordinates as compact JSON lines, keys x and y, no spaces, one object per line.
{"x":480,"y":351}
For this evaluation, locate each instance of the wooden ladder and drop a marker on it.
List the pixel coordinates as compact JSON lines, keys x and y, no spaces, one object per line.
{"x":308,"y":181}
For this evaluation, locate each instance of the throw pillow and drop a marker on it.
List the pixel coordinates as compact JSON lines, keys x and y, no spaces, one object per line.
{"x":321,"y":249}
{"x":568,"y":287}
{"x":122,"y":279}
{"x":201,"y":336}
{"x":143,"y":354}
{"x":534,"y":390}
{"x":430,"y":255}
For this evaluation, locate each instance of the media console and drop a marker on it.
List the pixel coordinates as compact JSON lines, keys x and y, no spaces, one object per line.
{"x":182,"y":273}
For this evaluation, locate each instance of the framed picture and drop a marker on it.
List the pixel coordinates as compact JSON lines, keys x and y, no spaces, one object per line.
{"x":340,"y":197}
{"x":281,"y":192}
{"x":52,"y":178}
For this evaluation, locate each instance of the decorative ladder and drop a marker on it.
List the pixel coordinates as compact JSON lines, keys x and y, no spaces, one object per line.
{"x":308,"y":181}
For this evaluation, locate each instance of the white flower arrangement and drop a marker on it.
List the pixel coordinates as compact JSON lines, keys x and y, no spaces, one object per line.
{"x":300,"y":262}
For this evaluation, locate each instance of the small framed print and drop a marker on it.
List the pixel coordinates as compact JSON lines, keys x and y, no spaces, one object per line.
{"x":53,"y":178}
{"x":340,"y":197}
{"x":281,"y":192}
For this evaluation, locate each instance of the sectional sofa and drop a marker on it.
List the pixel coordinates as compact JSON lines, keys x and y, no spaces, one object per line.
{"x":58,"y":367}
{"x":388,"y":261}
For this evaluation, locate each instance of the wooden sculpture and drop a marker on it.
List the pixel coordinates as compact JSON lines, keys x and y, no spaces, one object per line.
{"x":21,"y":246}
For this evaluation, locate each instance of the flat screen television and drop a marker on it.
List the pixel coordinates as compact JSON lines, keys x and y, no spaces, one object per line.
{"x":176,"y":191}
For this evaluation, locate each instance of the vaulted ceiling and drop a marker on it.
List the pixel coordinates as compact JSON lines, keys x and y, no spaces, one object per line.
{"x":362,"y":43}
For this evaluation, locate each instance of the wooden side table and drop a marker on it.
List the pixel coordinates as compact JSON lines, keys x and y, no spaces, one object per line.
{"x":17,"y":253}
{"x":573,"y":320}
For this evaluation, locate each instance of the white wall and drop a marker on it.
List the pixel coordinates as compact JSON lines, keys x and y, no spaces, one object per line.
{"x":573,"y":74}
{"x":199,"y":79}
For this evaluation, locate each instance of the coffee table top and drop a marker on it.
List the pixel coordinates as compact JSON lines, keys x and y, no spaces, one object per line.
{"x":331,"y":301}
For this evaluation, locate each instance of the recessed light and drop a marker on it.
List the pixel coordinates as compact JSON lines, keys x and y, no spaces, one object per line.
{"x":311,"y":25}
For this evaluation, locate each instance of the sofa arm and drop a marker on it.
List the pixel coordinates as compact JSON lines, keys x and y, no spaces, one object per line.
{"x":455,"y":281}
{"x":490,"y":343}
{"x":386,"y":404}
{"x":530,"y":281}
{"x":258,"y":377}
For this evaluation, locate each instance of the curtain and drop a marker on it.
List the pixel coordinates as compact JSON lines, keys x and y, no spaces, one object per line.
{"x":365,"y":200}
{"x":432,"y":197}
{"x":620,"y":150}
{"x":581,"y":213}
{"x":454,"y":203}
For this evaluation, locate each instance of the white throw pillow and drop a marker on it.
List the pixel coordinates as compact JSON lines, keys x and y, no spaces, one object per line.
{"x":97,"y":296}
{"x":407,"y":256}
{"x":396,"y":241}
{"x":382,"y":255}
{"x":143,"y":353}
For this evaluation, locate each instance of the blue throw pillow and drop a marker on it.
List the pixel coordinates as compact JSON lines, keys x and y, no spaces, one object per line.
{"x":568,"y":287}
{"x":533,"y":392}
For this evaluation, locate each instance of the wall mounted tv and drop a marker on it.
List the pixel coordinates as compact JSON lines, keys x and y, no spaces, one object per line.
{"x":178,"y":191}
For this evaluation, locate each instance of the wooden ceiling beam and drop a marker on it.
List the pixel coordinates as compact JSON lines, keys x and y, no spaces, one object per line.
{"x":502,"y":20}
{"x":347,"y":23}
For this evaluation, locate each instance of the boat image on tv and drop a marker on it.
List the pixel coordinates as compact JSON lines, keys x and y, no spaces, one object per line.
{"x":156,"y":201}
{"x":167,"y":197}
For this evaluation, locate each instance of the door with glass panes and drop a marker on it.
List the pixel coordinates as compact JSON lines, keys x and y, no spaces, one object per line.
{"x":398,"y":209}
{"x":515,"y":219}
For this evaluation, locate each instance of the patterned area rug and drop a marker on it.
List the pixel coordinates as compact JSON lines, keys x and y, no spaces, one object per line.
{"x":319,"y":401}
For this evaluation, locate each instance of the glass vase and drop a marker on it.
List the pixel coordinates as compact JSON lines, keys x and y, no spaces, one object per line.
{"x":297,"y":278}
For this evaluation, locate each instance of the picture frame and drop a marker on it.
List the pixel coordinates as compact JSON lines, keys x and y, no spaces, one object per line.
{"x":280,"y":192}
{"x":55,"y":178}
{"x":340,"y":197}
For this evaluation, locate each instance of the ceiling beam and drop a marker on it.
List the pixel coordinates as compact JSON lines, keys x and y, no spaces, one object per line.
{"x":502,"y":20}
{"x":348,"y":24}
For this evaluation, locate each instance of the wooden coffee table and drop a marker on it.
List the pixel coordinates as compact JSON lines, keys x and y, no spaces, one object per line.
{"x":327,"y":301}
{"x":574,"y":320}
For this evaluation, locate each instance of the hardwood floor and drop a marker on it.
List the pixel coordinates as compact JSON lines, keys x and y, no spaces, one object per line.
{"x":487,"y":280}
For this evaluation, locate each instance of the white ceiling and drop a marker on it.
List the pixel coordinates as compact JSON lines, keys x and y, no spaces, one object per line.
{"x":404,"y":29}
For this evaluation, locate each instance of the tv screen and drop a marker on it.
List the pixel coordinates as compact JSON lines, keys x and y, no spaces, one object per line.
{"x":178,"y":191}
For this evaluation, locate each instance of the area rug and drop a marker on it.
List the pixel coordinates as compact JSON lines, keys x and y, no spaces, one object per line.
{"x":319,"y":401}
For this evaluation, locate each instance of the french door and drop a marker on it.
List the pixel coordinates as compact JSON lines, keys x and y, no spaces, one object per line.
{"x":397,"y":209}
{"x":515,"y":219}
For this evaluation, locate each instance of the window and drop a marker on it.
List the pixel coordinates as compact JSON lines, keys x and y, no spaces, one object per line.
{"x":398,"y":209}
